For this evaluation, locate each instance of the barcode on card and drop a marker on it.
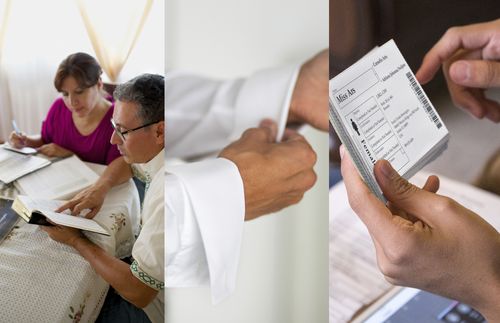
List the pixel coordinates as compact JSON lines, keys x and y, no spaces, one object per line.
{"x":421,"y":97}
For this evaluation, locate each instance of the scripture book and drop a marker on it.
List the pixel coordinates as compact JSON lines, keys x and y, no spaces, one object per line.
{"x":40,"y":211}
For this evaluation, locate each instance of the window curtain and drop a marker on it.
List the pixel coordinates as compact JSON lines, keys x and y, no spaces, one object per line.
{"x":35,"y":44}
{"x":114,"y":37}
{"x":6,"y":115}
{"x":4,"y":18}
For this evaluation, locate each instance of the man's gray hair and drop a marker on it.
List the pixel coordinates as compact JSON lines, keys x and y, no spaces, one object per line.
{"x":148,"y":92}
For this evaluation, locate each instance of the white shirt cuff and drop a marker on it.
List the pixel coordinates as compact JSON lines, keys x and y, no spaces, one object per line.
{"x":215,"y":191}
{"x":265,"y":95}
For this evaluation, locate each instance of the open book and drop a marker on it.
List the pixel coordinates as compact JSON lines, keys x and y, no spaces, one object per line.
{"x":39,"y":211}
{"x":61,"y":180}
{"x":379,"y":111}
{"x":15,"y":165}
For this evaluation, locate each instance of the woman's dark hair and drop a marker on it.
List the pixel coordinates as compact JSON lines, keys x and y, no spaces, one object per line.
{"x":82,"y":67}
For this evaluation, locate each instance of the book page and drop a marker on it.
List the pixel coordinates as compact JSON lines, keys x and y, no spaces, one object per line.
{"x":33,"y":204}
{"x":47,"y":207}
{"x":384,"y":111}
{"x":14,"y":165}
{"x":75,"y":222}
{"x":355,"y":280}
{"x":61,"y":180}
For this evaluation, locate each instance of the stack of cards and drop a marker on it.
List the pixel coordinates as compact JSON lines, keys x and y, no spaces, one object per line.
{"x":380,"y":111}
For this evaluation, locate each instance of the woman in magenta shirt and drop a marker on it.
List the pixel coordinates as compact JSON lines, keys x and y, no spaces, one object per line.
{"x":79,"y":123}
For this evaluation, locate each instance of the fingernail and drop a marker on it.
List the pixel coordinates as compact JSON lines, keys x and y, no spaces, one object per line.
{"x":460,"y":71}
{"x":341,"y":151}
{"x":267,"y":123}
{"x":386,"y":169}
{"x":493,"y":114}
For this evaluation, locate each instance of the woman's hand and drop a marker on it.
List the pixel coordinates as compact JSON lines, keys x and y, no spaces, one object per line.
{"x":53,"y":150}
{"x":18,"y":141}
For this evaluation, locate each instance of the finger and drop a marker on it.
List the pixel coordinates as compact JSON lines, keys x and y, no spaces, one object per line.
{"x":405,"y":195}
{"x":263,"y":134}
{"x":43,"y":149}
{"x":292,"y":137}
{"x":492,"y":110}
{"x":93,"y":212}
{"x":272,"y":126}
{"x":476,"y":73}
{"x":470,"y":100}
{"x":289,"y":134}
{"x":297,"y":148}
{"x":431,"y":184}
{"x":467,"y":37}
{"x":373,"y":213}
{"x":83,"y":205}
{"x":302,"y":182}
{"x":68,"y":205}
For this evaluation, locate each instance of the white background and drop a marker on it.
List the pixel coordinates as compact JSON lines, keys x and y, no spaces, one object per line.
{"x":283,"y":274}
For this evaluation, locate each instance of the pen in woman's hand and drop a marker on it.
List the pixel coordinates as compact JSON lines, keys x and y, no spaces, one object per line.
{"x":16,"y":128}
{"x":18,"y":132}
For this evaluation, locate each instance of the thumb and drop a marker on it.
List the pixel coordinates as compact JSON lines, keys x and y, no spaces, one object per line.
{"x":272,"y":128}
{"x":403,"y":194}
{"x":476,"y":73}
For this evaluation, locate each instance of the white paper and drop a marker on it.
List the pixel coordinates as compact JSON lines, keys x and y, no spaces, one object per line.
{"x":14,"y":165}
{"x":380,"y":97}
{"x":61,"y":180}
{"x":24,"y":150}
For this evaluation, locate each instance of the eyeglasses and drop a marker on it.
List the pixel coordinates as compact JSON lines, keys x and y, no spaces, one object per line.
{"x":122,"y":134}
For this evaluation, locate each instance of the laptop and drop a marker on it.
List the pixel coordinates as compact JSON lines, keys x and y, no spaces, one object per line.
{"x":8,"y":218}
{"x":409,"y":305}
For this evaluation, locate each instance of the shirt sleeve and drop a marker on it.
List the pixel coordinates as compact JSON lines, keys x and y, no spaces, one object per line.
{"x":148,"y":251}
{"x":203,"y":244}
{"x":50,"y":121}
{"x":204,"y":115}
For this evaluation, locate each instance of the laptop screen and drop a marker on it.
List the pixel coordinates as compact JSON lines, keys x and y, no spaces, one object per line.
{"x":8,"y":218}
{"x":414,"y":306}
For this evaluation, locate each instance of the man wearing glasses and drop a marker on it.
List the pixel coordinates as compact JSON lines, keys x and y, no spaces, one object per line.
{"x":138,"y":122}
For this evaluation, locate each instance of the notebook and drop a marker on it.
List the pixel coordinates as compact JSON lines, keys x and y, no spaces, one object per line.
{"x":15,"y":165}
